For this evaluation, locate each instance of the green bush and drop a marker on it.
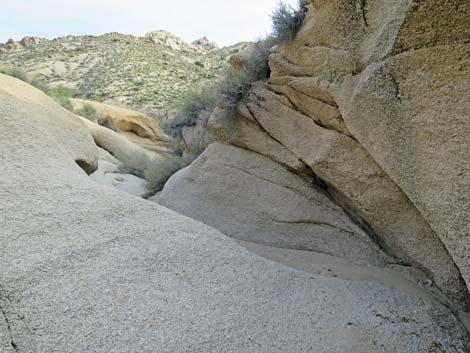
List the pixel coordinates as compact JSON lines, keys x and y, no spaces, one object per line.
{"x":40,"y":83}
{"x":5,"y":70}
{"x":20,"y":74}
{"x":87,"y":111}
{"x":160,"y":171}
{"x":37,"y":81}
{"x":236,"y":89}
{"x":286,"y":20}
{"x":16,"y":72}
{"x":62,"y":95}
{"x":196,"y":101}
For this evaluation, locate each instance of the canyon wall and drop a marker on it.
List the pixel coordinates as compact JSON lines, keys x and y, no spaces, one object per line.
{"x":356,"y":146}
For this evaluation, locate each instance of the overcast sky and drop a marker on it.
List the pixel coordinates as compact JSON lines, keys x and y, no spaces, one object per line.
{"x":224,"y":21}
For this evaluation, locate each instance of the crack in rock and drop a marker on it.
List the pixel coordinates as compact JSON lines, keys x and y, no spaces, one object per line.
{"x":7,"y":322}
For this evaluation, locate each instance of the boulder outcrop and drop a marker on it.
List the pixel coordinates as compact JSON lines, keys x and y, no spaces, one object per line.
{"x":369,"y":101}
{"x":205,"y":45}
{"x":252,"y":198}
{"x":59,"y":122}
{"x":87,"y":268}
{"x":174,"y":42}
{"x":135,"y":126}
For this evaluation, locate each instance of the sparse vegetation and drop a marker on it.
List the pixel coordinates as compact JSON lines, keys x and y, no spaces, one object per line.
{"x":62,"y":95}
{"x":286,"y":20}
{"x":40,"y":83}
{"x":15,"y":72}
{"x":235,"y":89}
{"x":122,"y":70}
{"x":87,"y":111}
{"x":198,"y":100}
{"x":20,"y":74}
{"x":336,"y":73}
{"x":158,"y":173}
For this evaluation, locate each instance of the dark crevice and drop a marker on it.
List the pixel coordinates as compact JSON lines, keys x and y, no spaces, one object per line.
{"x":297,"y":172}
{"x":320,"y":224}
{"x":323,"y":186}
{"x":396,"y":86}
{"x":295,"y":108}
{"x":276,"y":246}
{"x":364,"y":12}
{"x":265,"y":179}
{"x":339,"y":199}
{"x":85,"y":166}
{"x":7,"y":322}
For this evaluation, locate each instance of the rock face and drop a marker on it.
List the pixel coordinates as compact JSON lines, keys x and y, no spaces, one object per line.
{"x":110,"y":173}
{"x":59,"y":122}
{"x":137,"y":127}
{"x":205,"y":45}
{"x":253,"y":198}
{"x":26,"y":42}
{"x":86,"y":268}
{"x":195,"y":139}
{"x":370,"y":102}
{"x":174,"y":42}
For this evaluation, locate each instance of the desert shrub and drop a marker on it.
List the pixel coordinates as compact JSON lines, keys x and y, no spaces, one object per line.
{"x":20,"y":74}
{"x":37,"y":81}
{"x":158,"y":173}
{"x":87,"y":111}
{"x":5,"y":70}
{"x":15,"y":72}
{"x":40,"y":83}
{"x":203,"y":98}
{"x":62,"y":95}
{"x":135,"y":162}
{"x":236,"y":89}
{"x":286,"y":20}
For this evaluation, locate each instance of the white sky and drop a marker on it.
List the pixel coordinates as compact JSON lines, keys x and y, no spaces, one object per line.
{"x":224,"y":21}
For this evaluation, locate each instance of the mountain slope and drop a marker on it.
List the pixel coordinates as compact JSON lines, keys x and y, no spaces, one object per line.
{"x":149,"y":73}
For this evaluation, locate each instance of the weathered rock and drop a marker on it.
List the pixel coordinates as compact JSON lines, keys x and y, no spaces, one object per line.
{"x":87,"y":268}
{"x":204,"y":44}
{"x":12,"y":45}
{"x":121,"y":148}
{"x":137,"y":127}
{"x":243,"y":131}
{"x":390,"y":166}
{"x":411,"y":113}
{"x":29,"y":41}
{"x":405,"y":71}
{"x":250,"y":197}
{"x":109,"y":176}
{"x":360,"y":185}
{"x":323,"y":113}
{"x":195,"y":139}
{"x":63,"y":125}
{"x":172,"y":41}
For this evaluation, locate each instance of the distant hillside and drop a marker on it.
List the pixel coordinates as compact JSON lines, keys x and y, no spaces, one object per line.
{"x":148,"y":73}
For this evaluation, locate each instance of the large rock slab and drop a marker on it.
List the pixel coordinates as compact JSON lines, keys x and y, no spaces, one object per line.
{"x":397,"y":74}
{"x":242,"y":130}
{"x":137,"y":127}
{"x":411,"y":113}
{"x":127,"y":152}
{"x":250,"y":197}
{"x":56,"y":121}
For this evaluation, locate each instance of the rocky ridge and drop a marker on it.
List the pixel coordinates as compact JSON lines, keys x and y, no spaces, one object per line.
{"x":148,"y":74}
